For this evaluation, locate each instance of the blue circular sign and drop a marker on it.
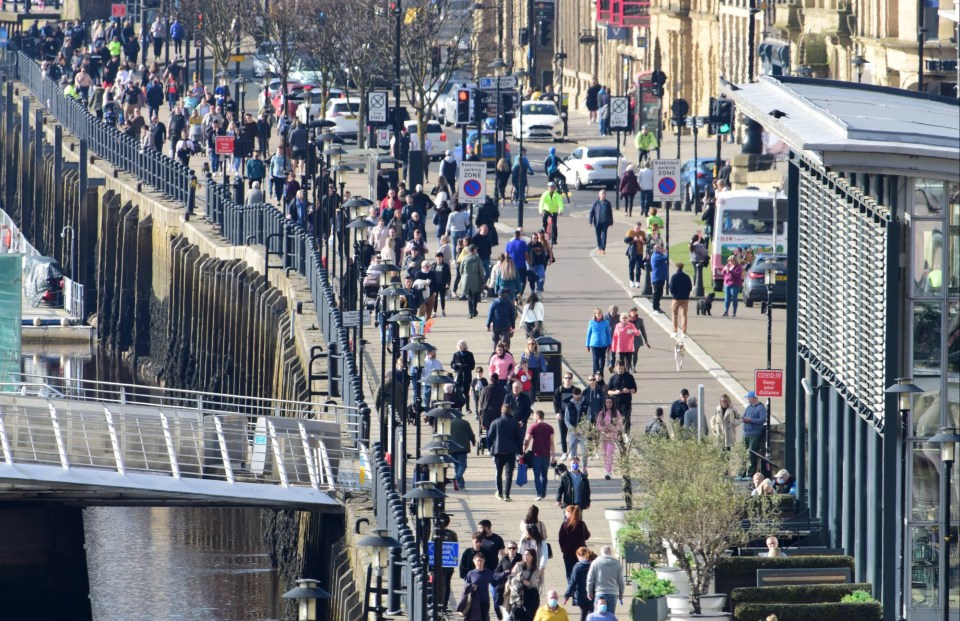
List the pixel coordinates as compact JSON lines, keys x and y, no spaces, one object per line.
{"x":472,"y":188}
{"x":667,"y":185}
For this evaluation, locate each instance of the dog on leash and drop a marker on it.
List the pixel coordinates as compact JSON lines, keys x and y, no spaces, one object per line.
{"x":705,"y":305}
{"x":678,"y":351}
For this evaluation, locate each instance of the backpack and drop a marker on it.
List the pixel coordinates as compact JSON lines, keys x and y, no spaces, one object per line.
{"x":655,"y":427}
{"x":110,"y":113}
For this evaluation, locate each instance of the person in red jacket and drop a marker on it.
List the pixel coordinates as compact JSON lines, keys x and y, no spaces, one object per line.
{"x":629,"y":186}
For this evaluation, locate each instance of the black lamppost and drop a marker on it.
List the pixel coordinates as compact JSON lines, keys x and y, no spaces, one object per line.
{"x":402,"y":320}
{"x":241,"y":81}
{"x":859,"y":61}
{"x":426,"y":495}
{"x":947,"y":439}
{"x":307,"y":592}
{"x":522,"y":172}
{"x":381,"y":545}
{"x":496,"y":65}
{"x":769,"y":269}
{"x":418,"y":348}
{"x":904,"y":389}
{"x":388,"y":300}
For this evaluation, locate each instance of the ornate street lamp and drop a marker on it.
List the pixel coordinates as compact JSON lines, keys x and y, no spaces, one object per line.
{"x":307,"y":592}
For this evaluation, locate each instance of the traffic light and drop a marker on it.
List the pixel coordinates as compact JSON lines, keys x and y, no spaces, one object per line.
{"x":544,"y":30}
{"x":524,"y":37}
{"x":724,"y":116}
{"x":506,"y":108}
{"x":479,"y":106}
{"x":463,"y":106}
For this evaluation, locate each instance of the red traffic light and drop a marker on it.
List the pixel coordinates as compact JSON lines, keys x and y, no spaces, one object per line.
{"x":463,"y":95}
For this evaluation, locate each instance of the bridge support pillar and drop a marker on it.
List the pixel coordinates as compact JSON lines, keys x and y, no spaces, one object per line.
{"x":43,"y":566}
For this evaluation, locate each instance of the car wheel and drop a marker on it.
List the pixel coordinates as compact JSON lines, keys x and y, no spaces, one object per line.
{"x":748,"y":303}
{"x":578,"y":183}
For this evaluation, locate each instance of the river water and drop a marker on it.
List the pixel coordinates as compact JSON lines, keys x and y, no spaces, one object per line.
{"x":168,"y":564}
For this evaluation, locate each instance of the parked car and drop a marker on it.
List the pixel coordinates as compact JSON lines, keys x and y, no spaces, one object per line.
{"x":696,"y":174}
{"x":272,"y":93}
{"x":447,"y":102}
{"x":265,"y":59}
{"x":436,"y":134}
{"x":343,"y":112}
{"x":305,"y":69}
{"x":592,"y":166}
{"x":538,"y":120}
{"x":309,"y":102}
{"x":754,"y":286}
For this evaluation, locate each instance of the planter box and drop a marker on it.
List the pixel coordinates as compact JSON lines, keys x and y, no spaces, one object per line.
{"x":616,"y":518}
{"x":680,"y":604}
{"x":651,"y":610}
{"x":677,"y":576}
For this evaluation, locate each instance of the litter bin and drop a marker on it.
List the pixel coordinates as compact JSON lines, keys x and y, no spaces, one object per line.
{"x":552,"y":352}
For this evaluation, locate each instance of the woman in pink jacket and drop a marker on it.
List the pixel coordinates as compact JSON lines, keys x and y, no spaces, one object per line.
{"x":732,"y":283}
{"x":623,"y":344}
{"x":501,"y":363}
{"x":609,"y":426}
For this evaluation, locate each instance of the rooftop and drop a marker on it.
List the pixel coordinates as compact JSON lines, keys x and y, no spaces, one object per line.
{"x":849,"y":126}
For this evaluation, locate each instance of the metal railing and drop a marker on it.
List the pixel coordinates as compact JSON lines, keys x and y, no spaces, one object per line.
{"x":73,"y":299}
{"x":167,"y":175}
{"x":263,"y":224}
{"x":182,"y":443}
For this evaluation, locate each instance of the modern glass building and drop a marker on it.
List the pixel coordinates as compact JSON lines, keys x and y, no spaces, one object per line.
{"x":874,"y":196}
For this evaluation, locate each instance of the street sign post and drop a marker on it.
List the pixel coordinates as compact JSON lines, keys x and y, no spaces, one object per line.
{"x":223,"y":145}
{"x":666,"y":180}
{"x":619,"y":113}
{"x":383,"y":137}
{"x":450,"y":556}
{"x":473,"y":183}
{"x":768,"y":382}
{"x":489,"y":83}
{"x":377,"y":107}
{"x":351,"y":319}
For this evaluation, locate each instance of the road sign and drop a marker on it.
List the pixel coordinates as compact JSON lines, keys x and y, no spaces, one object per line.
{"x":377,"y":107}
{"x":237,"y":58}
{"x":383,"y":137}
{"x":489,"y":83}
{"x":4,"y":38}
{"x":473,"y":182}
{"x":223,"y":145}
{"x":619,"y":113}
{"x":351,"y":319}
{"x":768,"y":382}
{"x":198,"y":43}
{"x":666,"y":180}
{"x":679,"y":107}
{"x":451,"y":553}
{"x":118,"y":10}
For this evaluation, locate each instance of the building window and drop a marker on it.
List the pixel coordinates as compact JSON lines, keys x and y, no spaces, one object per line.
{"x":927,"y":329}
{"x":926,"y":483}
{"x":928,"y":251}
{"x":925,"y":544}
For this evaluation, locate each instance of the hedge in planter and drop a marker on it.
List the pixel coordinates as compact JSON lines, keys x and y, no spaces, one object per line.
{"x":741,"y":571}
{"x":871,"y":611}
{"x":807,"y":594}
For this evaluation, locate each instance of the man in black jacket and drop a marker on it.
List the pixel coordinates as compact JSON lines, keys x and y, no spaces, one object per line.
{"x":622,"y":387}
{"x":466,"y":559}
{"x":574,"y":487}
{"x":560,"y":397}
{"x":491,"y":402}
{"x":680,"y":288}
{"x":504,"y":440}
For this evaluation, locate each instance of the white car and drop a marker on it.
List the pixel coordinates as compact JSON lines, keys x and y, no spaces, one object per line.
{"x":309,"y":103}
{"x":303,"y":70}
{"x":438,"y":137}
{"x":540,"y":121}
{"x":592,"y":166}
{"x":343,"y":112}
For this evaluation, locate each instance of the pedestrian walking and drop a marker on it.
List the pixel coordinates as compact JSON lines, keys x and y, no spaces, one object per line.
{"x":599,"y":337}
{"x":680,"y":288}
{"x":639,"y":339}
{"x":476,"y":590}
{"x":533,"y":536}
{"x":539,"y":443}
{"x":605,"y":580}
{"x":504,"y":440}
{"x":560,"y":397}
{"x":572,"y":537}
{"x":462,"y":440}
{"x":574,"y":488}
{"x":732,"y":284}
{"x":623,"y":342}
{"x":577,"y":582}
{"x":629,"y":186}
{"x":601,"y":217}
{"x":471,"y":280}
{"x":609,"y":427}
{"x":573,"y":413}
{"x":502,"y":318}
{"x":524,"y":587}
{"x":659,"y":269}
{"x":622,"y":387}
{"x":645,"y":183}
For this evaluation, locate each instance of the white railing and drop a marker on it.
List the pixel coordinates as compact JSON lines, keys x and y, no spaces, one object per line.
{"x":11,"y":240}
{"x":73,"y":299}
{"x":180,"y":443}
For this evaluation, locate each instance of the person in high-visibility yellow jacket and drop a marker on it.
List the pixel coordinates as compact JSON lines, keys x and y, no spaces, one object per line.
{"x":645,"y":142}
{"x":551,"y":206}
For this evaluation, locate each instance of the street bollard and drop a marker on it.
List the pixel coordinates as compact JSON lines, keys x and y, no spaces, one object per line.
{"x":698,"y":279}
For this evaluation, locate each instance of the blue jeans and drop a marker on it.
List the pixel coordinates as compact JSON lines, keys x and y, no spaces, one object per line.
{"x":731,"y":293}
{"x":460,"y":466}
{"x":456,"y":237}
{"x":214,"y":161}
{"x":486,"y":269}
{"x":601,"y":237}
{"x":599,"y":355}
{"x":646,"y":199}
{"x":541,"y":272}
{"x":574,"y":442}
{"x":540,"y":474}
{"x":603,"y":125}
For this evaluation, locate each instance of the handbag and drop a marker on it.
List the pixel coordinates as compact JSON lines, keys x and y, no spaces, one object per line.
{"x":522,"y":474}
{"x":465,"y":603}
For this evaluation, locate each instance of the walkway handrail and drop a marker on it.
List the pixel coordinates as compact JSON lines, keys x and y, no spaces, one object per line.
{"x":171,"y":178}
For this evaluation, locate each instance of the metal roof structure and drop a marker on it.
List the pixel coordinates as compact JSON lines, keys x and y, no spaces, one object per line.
{"x":849,"y":126}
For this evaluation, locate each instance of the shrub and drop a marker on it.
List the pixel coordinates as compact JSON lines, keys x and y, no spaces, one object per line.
{"x":871,"y":611}
{"x":807,"y":594}
{"x":856,"y":597}
{"x":748,"y":565}
{"x":648,"y":586}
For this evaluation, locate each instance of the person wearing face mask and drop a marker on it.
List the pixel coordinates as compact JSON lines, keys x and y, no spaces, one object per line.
{"x":784,"y":482}
{"x":574,"y":487}
{"x":601,"y":613}
{"x":551,"y":611}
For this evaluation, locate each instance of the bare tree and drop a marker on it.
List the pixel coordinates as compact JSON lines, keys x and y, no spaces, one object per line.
{"x":291,"y":25}
{"x":431,"y":47}
{"x":363,"y":26}
{"x":221,"y":25}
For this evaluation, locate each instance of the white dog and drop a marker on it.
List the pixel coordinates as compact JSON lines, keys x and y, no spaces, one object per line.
{"x":678,"y":350}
